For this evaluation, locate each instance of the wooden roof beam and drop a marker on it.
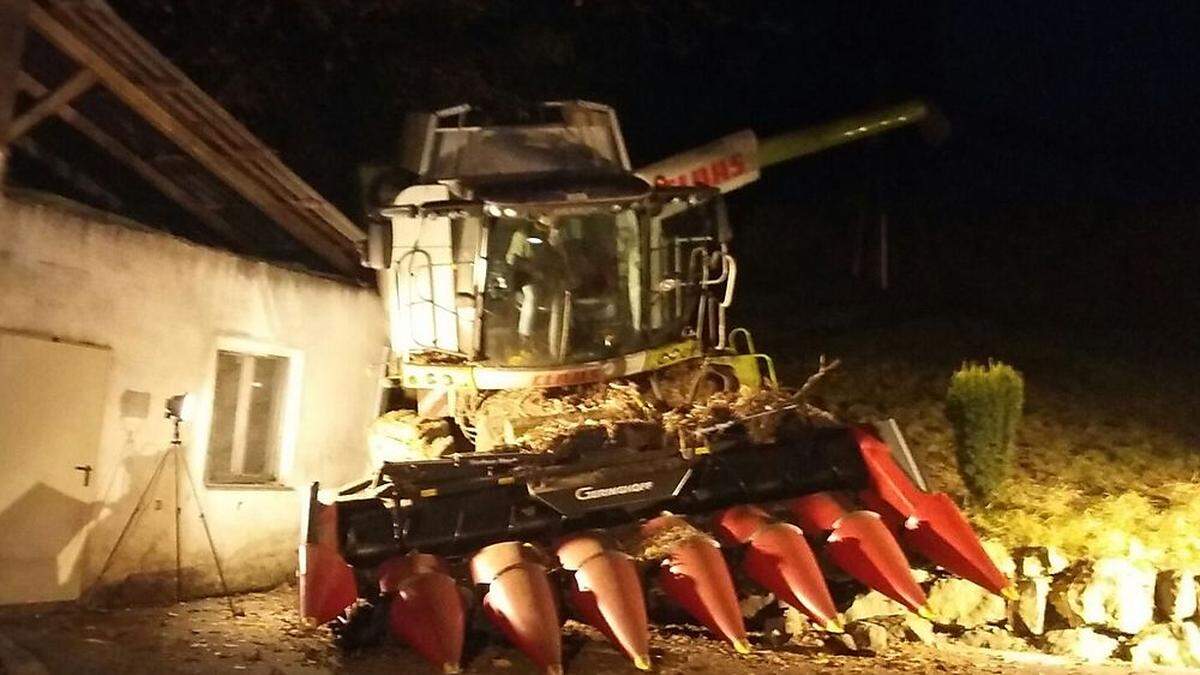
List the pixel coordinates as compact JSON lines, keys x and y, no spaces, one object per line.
{"x":50,"y":103}
{"x":12,"y":44}
{"x":341,"y":255}
{"x":141,"y":167}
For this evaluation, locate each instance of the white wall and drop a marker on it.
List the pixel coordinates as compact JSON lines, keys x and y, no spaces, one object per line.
{"x":162,"y":305}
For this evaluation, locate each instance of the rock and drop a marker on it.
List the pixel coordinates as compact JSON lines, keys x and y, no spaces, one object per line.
{"x":1000,"y":557}
{"x":919,"y":629}
{"x":908,"y":628}
{"x":1055,"y":560}
{"x":1028,"y":613}
{"x":993,"y":637}
{"x":1111,"y":592}
{"x":1080,"y":643}
{"x":868,"y":637}
{"x":870,"y":605}
{"x":1040,"y":561}
{"x":841,"y":643}
{"x":753,"y":605}
{"x":1166,"y":644}
{"x":958,"y":602}
{"x":775,"y":631}
{"x":795,"y":622}
{"x":921,"y":576}
{"x":1175,"y":595}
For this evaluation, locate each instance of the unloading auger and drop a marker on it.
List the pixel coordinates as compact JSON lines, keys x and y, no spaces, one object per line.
{"x":575,"y":421}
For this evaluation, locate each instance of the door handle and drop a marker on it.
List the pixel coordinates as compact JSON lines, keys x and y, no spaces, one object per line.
{"x":87,"y":473}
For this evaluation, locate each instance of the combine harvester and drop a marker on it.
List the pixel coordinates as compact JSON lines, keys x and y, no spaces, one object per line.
{"x":568,"y":392}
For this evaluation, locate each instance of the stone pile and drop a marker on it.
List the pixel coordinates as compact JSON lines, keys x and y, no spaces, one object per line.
{"x":1110,"y":608}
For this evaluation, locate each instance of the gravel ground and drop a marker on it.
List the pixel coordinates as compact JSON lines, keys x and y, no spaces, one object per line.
{"x":200,"y":637}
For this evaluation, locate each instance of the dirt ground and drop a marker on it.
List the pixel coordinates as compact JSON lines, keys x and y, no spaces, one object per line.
{"x":269,"y":639}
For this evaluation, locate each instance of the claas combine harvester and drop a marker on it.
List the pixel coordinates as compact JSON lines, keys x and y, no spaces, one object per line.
{"x":573,"y":416}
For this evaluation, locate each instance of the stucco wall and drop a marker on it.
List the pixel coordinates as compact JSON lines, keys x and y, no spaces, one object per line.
{"x":163,"y":305}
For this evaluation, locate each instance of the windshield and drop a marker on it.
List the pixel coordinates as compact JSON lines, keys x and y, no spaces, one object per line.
{"x":577,"y":288}
{"x":566,"y":289}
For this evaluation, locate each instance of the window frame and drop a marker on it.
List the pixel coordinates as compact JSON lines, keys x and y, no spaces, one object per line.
{"x":286,"y":424}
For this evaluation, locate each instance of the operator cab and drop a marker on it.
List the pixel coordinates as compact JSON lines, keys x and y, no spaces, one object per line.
{"x":533,"y":246}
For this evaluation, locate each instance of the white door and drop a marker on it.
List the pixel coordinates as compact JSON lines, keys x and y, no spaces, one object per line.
{"x":51,"y":407}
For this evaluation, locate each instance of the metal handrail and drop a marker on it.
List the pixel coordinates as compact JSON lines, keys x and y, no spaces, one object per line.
{"x":408,"y":257}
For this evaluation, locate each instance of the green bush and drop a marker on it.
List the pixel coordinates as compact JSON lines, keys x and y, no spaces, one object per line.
{"x":983,"y":405}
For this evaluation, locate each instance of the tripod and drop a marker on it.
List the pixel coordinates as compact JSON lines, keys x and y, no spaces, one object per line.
{"x":174,"y":453}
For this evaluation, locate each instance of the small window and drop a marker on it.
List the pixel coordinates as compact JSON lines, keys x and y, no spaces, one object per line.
{"x":248,"y":399}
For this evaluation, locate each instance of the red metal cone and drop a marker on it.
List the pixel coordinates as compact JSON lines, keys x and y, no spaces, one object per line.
{"x":941,"y":533}
{"x":930,"y":524}
{"x":780,"y":559}
{"x":395,"y":570}
{"x":428,"y":614}
{"x":694,"y":575}
{"x":327,"y":584}
{"x":520,"y":601}
{"x":817,"y":512}
{"x":607,"y":594}
{"x":860,"y":543}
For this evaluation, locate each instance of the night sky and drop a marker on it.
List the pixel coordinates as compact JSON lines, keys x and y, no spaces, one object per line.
{"x":1103,"y":91}
{"x":1067,"y":188}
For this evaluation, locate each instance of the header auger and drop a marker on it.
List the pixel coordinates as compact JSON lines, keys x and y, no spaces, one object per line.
{"x":573,"y":416}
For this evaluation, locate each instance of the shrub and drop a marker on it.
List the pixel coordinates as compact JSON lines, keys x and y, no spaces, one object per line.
{"x":983,"y":405}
